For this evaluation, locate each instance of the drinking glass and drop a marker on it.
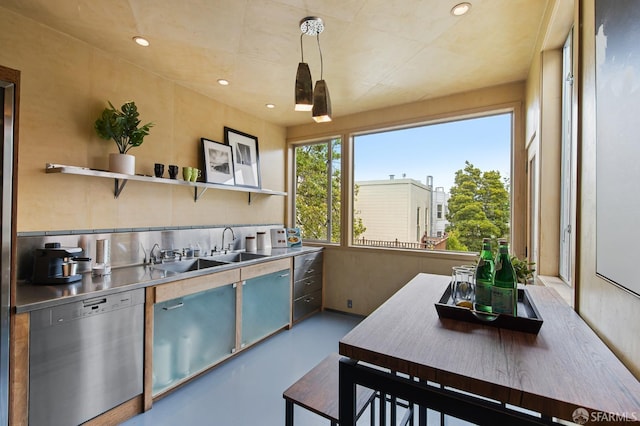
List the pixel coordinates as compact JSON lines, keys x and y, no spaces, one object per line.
{"x":463,"y":285}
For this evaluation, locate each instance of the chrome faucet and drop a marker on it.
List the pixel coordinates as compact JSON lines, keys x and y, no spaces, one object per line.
{"x":153,"y":259}
{"x":169,"y":255}
{"x":232,"y":236}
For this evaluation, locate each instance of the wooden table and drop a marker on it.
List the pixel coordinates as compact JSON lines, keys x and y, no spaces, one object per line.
{"x":562,"y":368}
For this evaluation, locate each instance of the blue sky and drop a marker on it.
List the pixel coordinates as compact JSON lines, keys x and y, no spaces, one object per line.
{"x":438,"y":150}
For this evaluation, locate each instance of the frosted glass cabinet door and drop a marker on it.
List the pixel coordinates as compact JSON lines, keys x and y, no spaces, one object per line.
{"x":191,"y":333}
{"x":266,"y":303}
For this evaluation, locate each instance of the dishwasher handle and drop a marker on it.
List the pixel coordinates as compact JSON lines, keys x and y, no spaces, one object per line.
{"x":176,"y":306}
{"x":94,"y":303}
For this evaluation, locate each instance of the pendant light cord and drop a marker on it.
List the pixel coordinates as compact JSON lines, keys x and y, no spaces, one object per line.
{"x":320,"y":50}
{"x":301,"y":48}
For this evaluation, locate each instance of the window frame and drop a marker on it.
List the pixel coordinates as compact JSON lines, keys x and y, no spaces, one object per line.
{"x":510,"y":102}
{"x":449,"y":119}
{"x":292,"y":152}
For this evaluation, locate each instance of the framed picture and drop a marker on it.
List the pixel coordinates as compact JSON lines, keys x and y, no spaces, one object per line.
{"x":246,"y":162}
{"x":218,"y":162}
{"x":616,"y":74}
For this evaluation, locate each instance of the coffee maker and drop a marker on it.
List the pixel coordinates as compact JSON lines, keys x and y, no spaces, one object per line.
{"x":54,"y":264}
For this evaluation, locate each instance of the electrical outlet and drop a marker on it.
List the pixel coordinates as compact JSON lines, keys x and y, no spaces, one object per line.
{"x":349,"y":303}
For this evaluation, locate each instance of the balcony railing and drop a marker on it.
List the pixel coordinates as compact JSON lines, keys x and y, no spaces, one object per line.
{"x":429,"y":243}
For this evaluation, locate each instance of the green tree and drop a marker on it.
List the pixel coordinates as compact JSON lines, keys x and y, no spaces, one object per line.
{"x":478,"y":208}
{"x":453,"y":242}
{"x":312,"y":192}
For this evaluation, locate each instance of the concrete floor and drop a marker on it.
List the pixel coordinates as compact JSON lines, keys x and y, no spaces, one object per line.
{"x":247,"y":389}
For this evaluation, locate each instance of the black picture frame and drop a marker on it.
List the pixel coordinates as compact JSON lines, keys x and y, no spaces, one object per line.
{"x":246,"y":157}
{"x":218,"y":162}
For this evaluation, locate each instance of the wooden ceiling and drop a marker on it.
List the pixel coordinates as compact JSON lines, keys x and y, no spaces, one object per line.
{"x":376,"y":53}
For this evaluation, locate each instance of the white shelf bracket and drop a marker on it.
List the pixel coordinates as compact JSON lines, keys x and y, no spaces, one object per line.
{"x":197,"y":195}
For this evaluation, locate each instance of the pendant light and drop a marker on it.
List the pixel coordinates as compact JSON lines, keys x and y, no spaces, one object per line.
{"x":318,"y":100}
{"x":321,"y":111}
{"x":304,"y":94}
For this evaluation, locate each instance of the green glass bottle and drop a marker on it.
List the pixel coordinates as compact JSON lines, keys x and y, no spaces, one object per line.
{"x":484,"y":278}
{"x":504,"y":292}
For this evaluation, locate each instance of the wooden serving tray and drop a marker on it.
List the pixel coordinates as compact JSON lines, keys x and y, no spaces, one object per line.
{"x":528,"y":319}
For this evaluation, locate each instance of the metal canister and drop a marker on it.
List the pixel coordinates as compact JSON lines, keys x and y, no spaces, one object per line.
{"x":261,"y":240}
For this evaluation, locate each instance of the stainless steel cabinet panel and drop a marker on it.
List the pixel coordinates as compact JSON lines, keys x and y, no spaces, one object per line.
{"x":85,"y":358}
{"x":307,"y":285}
{"x":307,"y":304}
{"x":306,"y":265}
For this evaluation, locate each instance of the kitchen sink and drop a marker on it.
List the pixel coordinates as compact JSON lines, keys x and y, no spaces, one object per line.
{"x":239,"y":257}
{"x":190,"y":265}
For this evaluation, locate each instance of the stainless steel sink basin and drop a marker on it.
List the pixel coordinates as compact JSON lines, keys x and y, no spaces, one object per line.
{"x":190,"y":265}
{"x":239,"y":257}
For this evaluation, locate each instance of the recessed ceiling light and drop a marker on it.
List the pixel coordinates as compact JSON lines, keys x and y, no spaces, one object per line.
{"x":223,"y":82}
{"x":141,"y":41}
{"x":460,"y":9}
{"x":270,"y":106}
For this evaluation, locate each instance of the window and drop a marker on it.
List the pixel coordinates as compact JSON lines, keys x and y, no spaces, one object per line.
{"x":568,"y":179}
{"x":317,"y":190}
{"x":468,"y":159}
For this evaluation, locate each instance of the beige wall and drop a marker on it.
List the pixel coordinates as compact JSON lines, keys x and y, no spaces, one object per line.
{"x":549,"y":156}
{"x":543,"y":135}
{"x":611,"y":311}
{"x":65,"y":85}
{"x":369,"y":276}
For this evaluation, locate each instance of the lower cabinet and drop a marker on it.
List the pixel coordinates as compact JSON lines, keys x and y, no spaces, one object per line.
{"x":191,"y":325}
{"x":191,"y":333}
{"x":194,"y":324}
{"x":307,"y":284}
{"x":265,"y":305}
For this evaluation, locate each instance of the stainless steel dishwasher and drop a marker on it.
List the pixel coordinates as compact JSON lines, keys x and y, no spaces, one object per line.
{"x":85,"y":358}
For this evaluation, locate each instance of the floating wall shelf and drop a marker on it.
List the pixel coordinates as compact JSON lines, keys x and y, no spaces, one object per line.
{"x":120,"y":180}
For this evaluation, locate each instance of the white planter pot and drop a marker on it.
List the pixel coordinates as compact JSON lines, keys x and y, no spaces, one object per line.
{"x":122,"y":163}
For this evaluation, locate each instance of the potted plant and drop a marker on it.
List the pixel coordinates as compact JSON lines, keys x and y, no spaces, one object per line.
{"x":122,"y":126}
{"x":524,"y":270}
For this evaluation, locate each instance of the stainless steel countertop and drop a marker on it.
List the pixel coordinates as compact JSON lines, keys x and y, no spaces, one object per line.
{"x":30,"y":297}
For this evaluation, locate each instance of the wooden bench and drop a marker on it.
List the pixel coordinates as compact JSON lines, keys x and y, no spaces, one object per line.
{"x":317,"y":391}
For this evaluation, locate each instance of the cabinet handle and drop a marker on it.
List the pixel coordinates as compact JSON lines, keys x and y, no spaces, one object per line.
{"x":309,"y":299}
{"x":169,"y":308}
{"x":310,"y":271}
{"x":284,"y":275}
{"x":308,"y":283}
